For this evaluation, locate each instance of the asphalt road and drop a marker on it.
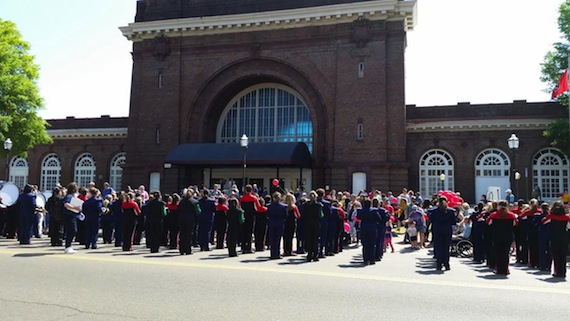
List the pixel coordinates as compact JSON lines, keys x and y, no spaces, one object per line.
{"x":39,"y":282}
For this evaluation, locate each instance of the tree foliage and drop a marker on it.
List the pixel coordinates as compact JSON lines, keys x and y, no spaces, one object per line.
{"x":19,"y":94}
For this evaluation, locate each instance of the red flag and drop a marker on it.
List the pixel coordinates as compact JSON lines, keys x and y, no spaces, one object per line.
{"x":562,"y":86}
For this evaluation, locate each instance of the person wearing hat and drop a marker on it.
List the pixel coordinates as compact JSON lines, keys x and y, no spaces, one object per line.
{"x":442,"y":218}
{"x":510,"y":196}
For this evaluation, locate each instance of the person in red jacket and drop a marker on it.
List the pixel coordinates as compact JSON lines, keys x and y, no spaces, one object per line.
{"x":220,"y":224}
{"x":249,"y":203}
{"x":130,"y":212}
{"x":502,"y":223}
{"x":559,"y":221}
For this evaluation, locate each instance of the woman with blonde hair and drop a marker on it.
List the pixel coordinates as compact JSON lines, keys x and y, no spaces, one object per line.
{"x":293,"y":215}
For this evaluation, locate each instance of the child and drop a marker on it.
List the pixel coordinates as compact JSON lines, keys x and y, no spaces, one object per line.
{"x":388,"y":235}
{"x":413,"y":233}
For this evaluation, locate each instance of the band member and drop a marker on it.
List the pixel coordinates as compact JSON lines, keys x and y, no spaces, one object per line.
{"x":118,"y":218}
{"x":92,"y":208}
{"x":220,"y":221}
{"x":260,"y":230}
{"x":442,"y":218}
{"x":54,"y":206}
{"x":502,"y":224}
{"x":130,"y":211}
{"x":559,"y":221}
{"x":325,"y":243}
{"x":70,"y":217}
{"x":188,"y":210}
{"x":27,"y":204}
{"x":250,"y":205}
{"x":172,"y":218}
{"x":381,"y":234}
{"x":276,"y":214}
{"x":235,"y":219}
{"x":369,"y":219}
{"x":206,"y":219}
{"x":156,"y":210}
{"x":293,"y":215}
{"x":312,"y":215}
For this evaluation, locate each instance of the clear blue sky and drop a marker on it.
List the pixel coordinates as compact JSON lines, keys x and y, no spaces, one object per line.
{"x":484,"y":51}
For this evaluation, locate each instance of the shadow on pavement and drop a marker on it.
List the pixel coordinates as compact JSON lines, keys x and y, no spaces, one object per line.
{"x":258,"y":260}
{"x":32,"y":254}
{"x":215,"y":257}
{"x":553,"y":280}
{"x":295,"y":261}
{"x":493,"y":277}
{"x":433,"y":271}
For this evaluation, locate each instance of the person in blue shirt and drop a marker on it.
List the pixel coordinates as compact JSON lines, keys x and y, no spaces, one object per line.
{"x":442,"y":218}
{"x":369,"y":219}
{"x":92,"y":208}
{"x":276,"y":214}
{"x":107,"y":190}
{"x":205,"y":219}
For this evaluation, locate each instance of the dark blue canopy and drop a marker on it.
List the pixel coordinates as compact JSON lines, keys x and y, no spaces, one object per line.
{"x":266,"y":154}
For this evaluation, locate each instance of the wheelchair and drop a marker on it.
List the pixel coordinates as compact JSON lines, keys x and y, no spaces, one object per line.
{"x":461,"y":247}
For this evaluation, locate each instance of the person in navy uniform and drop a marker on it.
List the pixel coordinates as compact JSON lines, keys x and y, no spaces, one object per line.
{"x":27,"y":204}
{"x":544,"y":235}
{"x":188,"y":210}
{"x":118,"y":220}
{"x":312,"y":216}
{"x":502,"y":224}
{"x":92,"y":208}
{"x":300,"y":231}
{"x":206,"y":219}
{"x":558,"y":220}
{"x":385,"y":217}
{"x":156,"y":210}
{"x":442,"y":218}
{"x":276,"y":215}
{"x":477,"y":234}
{"x":369,"y":219}
{"x":235,"y":219}
{"x":54,"y":206}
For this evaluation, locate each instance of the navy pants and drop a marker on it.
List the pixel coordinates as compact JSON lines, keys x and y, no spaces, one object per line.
{"x":91,"y":232}
{"x":204,"y":230}
{"x":441,"y":244}
{"x":70,"y":223}
{"x":369,"y":235}
{"x":275,"y":234}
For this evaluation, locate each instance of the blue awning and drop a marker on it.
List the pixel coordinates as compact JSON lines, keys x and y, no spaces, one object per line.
{"x":261,"y":154}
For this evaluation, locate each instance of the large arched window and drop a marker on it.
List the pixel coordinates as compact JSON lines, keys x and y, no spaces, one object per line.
{"x":116,"y":173}
{"x":50,"y":172}
{"x":492,"y":163}
{"x":19,"y":171}
{"x":550,"y":173}
{"x":266,"y":113}
{"x":432,"y":164}
{"x":84,"y":170}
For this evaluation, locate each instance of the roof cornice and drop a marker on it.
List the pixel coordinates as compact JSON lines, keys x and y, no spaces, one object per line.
{"x":390,"y":10}
{"x":91,"y":133}
{"x":477,"y":125}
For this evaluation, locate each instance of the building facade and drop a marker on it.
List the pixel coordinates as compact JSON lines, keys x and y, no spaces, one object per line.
{"x":325,"y":73}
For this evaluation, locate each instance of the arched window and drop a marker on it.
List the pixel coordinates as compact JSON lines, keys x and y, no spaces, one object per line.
{"x":433,"y":164}
{"x":84,"y":170}
{"x":50,"y":172}
{"x":550,"y":173}
{"x":266,"y":113}
{"x":492,"y":163}
{"x":19,"y":171}
{"x":116,"y":173}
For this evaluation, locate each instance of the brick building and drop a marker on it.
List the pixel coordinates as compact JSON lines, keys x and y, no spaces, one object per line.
{"x":326,"y":73}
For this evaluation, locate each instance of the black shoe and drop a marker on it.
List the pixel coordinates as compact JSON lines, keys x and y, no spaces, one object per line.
{"x":321,"y":256}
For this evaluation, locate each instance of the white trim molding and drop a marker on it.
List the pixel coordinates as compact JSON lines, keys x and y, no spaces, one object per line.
{"x":390,"y":10}
{"x":92,"y":133}
{"x":477,"y":125}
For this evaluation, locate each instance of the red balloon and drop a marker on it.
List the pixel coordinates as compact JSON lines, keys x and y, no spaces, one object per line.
{"x":275,"y":182}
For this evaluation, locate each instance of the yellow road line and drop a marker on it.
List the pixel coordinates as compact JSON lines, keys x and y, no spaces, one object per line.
{"x":245,"y":267}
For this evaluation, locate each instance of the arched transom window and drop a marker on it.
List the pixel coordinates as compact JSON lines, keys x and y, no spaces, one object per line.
{"x":19,"y":171}
{"x":266,"y":113}
{"x":433,"y":164}
{"x":116,"y":176}
{"x":492,"y":163}
{"x":84,"y":170}
{"x":550,"y":173}
{"x":50,"y":172}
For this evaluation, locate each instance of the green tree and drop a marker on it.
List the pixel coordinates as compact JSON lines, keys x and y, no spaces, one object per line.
{"x":554,"y":64}
{"x":19,"y":94}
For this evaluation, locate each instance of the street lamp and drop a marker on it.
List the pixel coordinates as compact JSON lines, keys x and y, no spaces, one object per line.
{"x":513,"y":143}
{"x":243,"y":141}
{"x":442,"y":179}
{"x":7,"y":147}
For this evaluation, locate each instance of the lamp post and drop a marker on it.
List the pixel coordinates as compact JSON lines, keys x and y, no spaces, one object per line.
{"x":244,"y":141}
{"x":442,"y":179}
{"x":513,"y":143}
{"x":7,"y":147}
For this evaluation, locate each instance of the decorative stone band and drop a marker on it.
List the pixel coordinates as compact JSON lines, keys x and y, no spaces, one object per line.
{"x":92,"y":133}
{"x":477,"y":125}
{"x":390,"y":10}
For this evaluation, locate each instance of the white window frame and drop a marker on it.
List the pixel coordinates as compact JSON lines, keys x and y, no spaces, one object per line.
{"x":432,"y":164}
{"x":84,"y":169}
{"x":50,"y":173}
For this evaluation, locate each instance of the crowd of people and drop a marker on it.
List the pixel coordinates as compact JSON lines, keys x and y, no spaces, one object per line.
{"x":318,"y":224}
